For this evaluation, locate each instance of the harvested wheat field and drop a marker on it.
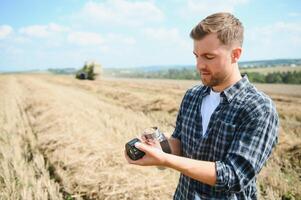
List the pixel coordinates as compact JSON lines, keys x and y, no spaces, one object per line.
{"x":62,"y":138}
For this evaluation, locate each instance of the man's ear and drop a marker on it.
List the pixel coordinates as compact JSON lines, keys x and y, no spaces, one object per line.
{"x":235,"y":54}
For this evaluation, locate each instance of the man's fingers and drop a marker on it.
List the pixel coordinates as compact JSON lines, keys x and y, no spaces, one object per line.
{"x":143,"y":147}
{"x":145,"y":140}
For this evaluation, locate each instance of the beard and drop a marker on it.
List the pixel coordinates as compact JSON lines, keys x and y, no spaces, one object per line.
{"x":211,"y":80}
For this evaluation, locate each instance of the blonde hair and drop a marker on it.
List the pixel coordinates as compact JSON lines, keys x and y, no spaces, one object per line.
{"x":228,"y":28}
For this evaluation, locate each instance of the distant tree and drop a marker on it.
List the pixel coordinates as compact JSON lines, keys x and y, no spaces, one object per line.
{"x":293,"y":77}
{"x":256,"y":77}
{"x":192,"y":74}
{"x":274,"y":78}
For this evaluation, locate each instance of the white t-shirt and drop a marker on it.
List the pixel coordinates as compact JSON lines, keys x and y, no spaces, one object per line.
{"x":209,"y":104}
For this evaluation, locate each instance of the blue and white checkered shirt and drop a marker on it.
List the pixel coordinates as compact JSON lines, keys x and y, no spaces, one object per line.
{"x":240,"y":136}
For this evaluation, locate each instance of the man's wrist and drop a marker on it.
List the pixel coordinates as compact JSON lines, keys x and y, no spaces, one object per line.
{"x":167,"y":160}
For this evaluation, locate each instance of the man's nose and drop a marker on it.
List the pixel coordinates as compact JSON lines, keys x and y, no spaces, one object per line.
{"x":200,"y":64}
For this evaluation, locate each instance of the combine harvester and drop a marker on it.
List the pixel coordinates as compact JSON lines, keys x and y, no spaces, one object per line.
{"x":90,"y":71}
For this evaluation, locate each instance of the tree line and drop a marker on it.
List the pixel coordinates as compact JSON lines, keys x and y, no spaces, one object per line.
{"x":289,"y":77}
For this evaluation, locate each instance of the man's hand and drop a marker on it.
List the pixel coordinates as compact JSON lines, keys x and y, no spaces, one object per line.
{"x":153,"y":155}
{"x":203,"y":171}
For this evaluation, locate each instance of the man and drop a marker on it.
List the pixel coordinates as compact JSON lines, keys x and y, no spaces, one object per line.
{"x":225,"y":129}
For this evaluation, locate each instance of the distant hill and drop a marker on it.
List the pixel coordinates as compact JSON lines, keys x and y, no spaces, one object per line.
{"x":63,"y":71}
{"x":270,"y":63}
{"x":162,"y":68}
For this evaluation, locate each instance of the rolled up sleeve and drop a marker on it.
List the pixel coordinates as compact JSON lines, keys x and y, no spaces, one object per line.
{"x":252,"y":145}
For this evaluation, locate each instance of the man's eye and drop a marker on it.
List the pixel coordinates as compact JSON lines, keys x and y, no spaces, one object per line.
{"x":209,"y":57}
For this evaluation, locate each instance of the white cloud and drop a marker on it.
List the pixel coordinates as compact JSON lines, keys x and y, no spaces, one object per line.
{"x":35,"y":31}
{"x":14,"y":51}
{"x":21,"y":39}
{"x":162,"y":33}
{"x":165,"y":35}
{"x":278,"y":40}
{"x":85,"y":38}
{"x":43,"y":31}
{"x":120,"y":12}
{"x":203,"y":8}
{"x":53,"y":27}
{"x":276,"y":30}
{"x":294,"y":14}
{"x":121,"y":39}
{"x":293,"y":28}
{"x":5,"y":30}
{"x":129,"y":41}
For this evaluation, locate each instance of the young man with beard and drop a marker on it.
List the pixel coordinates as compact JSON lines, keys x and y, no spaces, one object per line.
{"x":226,"y":129}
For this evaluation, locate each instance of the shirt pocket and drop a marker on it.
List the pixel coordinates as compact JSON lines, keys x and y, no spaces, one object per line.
{"x":228,"y":129}
{"x":224,"y":133}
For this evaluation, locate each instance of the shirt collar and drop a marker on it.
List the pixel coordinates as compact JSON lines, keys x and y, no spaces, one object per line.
{"x":229,"y":93}
{"x":205,"y":91}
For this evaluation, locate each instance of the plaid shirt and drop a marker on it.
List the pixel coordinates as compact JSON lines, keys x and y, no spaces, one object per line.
{"x":240,"y":136}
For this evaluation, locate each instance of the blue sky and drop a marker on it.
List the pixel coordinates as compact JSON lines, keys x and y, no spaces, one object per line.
{"x":37,"y":34}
